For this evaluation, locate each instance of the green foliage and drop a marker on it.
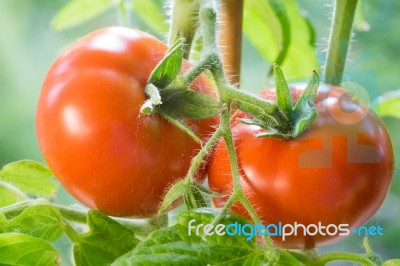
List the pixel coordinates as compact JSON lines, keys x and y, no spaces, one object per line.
{"x":189,"y":104}
{"x":105,"y":241}
{"x":166,"y":71}
{"x":77,"y":12}
{"x":286,"y":39}
{"x":151,"y":14}
{"x":41,"y":221}
{"x":20,"y":249}
{"x":388,"y":104}
{"x":175,"y":242}
{"x":31,"y":177}
{"x":9,"y":194}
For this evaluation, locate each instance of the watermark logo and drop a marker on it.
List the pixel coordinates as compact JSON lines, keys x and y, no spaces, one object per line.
{"x":281,"y":230}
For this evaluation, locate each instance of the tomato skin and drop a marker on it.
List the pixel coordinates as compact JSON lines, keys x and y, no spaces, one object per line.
{"x":335,"y":173}
{"x":91,"y":132}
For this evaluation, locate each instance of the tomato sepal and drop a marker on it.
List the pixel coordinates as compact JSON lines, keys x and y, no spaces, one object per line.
{"x":169,"y":67}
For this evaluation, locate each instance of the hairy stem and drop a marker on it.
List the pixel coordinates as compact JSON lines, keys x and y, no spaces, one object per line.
{"x":339,"y":40}
{"x":198,"y":159}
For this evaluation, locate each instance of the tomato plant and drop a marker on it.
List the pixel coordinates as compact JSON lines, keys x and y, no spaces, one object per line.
{"x":334,"y":173}
{"x":91,"y":132}
{"x":130,"y":128}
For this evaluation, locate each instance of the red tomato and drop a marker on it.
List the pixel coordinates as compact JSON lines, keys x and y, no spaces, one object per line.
{"x":103,"y":151}
{"x":338,"y":172}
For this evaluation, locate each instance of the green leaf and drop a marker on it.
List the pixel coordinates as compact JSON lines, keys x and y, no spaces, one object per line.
{"x":151,"y":14}
{"x":20,"y":249}
{"x":174,"y":193}
{"x":388,"y":104}
{"x":77,"y":12}
{"x":29,"y":176}
{"x":41,"y":221}
{"x":105,"y":241}
{"x":281,"y":14}
{"x":286,"y":35}
{"x":284,"y":98}
{"x":189,"y":104}
{"x":395,"y":262}
{"x":181,"y":244}
{"x":169,"y":67}
{"x":9,"y":194}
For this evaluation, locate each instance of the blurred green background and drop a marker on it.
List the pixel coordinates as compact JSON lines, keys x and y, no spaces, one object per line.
{"x":28,"y":45}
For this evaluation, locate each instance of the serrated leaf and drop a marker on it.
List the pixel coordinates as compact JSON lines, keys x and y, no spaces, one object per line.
{"x":76,"y":12}
{"x":41,"y":221}
{"x":20,"y":249}
{"x":9,"y":194}
{"x":298,"y":57}
{"x":151,"y":14}
{"x":166,"y":71}
{"x":181,"y":240}
{"x":29,"y":176}
{"x":105,"y":241}
{"x":283,"y":96}
{"x":388,"y":104}
{"x":189,"y":104}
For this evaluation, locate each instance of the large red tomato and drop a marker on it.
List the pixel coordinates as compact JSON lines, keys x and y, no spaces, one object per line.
{"x":338,"y":172}
{"x":103,"y":151}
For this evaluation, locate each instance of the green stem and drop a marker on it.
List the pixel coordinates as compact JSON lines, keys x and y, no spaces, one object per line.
{"x":184,"y":18}
{"x":338,"y":256}
{"x":16,"y":208}
{"x":73,"y":214}
{"x":339,"y":40}
{"x":303,"y":258}
{"x":198,"y":159}
{"x":71,"y":233}
{"x":232,"y":199}
{"x":237,"y":187}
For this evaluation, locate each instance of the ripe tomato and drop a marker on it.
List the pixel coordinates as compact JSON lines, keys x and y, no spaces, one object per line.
{"x":103,"y":151}
{"x":338,"y":172}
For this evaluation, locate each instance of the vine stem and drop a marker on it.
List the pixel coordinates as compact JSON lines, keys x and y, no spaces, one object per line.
{"x":77,"y":215}
{"x":343,"y":256}
{"x":213,"y":62}
{"x":198,"y":159}
{"x":184,"y":16}
{"x":339,"y":40}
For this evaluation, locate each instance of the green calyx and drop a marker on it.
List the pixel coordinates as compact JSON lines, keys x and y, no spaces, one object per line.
{"x":290,"y":120}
